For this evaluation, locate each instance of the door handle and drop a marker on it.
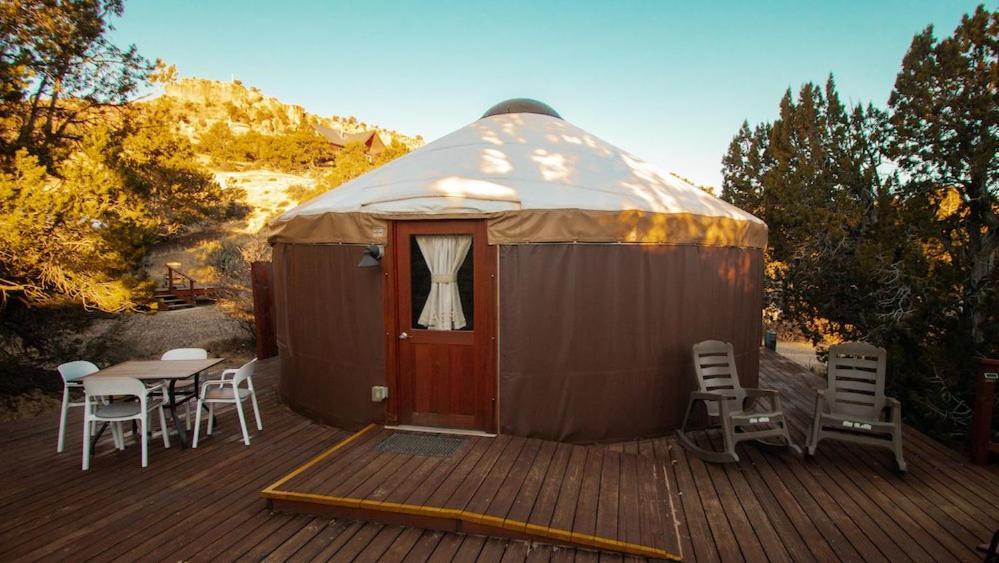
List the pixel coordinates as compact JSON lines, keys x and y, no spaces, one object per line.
{"x":403,"y":336}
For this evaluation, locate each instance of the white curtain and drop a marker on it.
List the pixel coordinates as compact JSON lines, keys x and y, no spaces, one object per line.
{"x":444,"y":255}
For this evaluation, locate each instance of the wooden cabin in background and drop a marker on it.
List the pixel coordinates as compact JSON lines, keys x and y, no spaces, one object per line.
{"x":371,"y":139}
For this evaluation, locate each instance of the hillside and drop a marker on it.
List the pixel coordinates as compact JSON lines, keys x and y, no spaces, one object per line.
{"x":199,"y":103}
{"x":200,"y":109}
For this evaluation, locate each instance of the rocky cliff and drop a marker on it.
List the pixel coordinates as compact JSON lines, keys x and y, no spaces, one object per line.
{"x":199,"y":103}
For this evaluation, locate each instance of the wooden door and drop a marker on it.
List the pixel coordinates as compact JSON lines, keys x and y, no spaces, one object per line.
{"x":443,"y":378}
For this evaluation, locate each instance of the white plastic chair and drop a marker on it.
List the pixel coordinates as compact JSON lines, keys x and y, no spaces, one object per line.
{"x":227,"y":390}
{"x":71,"y":373}
{"x":95,"y":411}
{"x":183,"y":354}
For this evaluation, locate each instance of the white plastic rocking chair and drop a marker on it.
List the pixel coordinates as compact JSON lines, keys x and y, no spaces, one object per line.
{"x":227,"y":391}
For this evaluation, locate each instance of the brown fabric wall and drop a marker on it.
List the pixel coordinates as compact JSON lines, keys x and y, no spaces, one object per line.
{"x":595,"y":339}
{"x":330,"y":332}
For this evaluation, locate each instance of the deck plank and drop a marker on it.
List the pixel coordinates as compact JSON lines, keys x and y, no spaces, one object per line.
{"x":414,"y":465}
{"x":470,"y":548}
{"x":335,"y":533}
{"x":694,"y":531}
{"x":630,"y":502}
{"x":446,"y":549}
{"x":514,"y":480}
{"x":467,"y":473}
{"x":480,"y":499}
{"x":665,"y":536}
{"x":565,"y":506}
{"x":544,"y":505}
{"x":481,"y":471}
{"x":378,"y":545}
{"x":328,"y":475}
{"x":415,"y":479}
{"x":402,"y":545}
{"x":728,"y":545}
{"x":771,"y":543}
{"x":609,"y":497}
{"x":585,"y":517}
{"x":424,"y":547}
{"x":446,"y":477}
{"x":530,"y":491}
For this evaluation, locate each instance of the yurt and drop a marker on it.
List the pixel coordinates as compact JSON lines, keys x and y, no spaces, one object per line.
{"x":519,"y":276}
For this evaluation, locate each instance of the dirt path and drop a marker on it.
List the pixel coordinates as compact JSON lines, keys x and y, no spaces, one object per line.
{"x":801,"y":353}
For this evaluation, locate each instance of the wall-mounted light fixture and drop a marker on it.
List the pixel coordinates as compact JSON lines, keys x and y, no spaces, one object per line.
{"x":372,"y":256}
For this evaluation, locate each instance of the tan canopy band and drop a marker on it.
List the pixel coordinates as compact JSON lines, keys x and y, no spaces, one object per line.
{"x":538,"y":226}
{"x":580,"y":225}
{"x":358,"y":228}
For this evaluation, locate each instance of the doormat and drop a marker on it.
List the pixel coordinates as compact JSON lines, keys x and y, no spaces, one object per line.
{"x":430,"y":445}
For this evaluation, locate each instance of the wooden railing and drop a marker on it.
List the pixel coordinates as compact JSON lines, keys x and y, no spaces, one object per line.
{"x":172,"y":278}
{"x":981,"y":428}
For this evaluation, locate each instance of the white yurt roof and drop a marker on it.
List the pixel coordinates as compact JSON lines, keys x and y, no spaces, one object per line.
{"x":536,"y":178}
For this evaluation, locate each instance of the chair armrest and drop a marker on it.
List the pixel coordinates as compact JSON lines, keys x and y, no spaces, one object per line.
{"x":226,"y":374}
{"x":217,"y":382}
{"x":894,"y":408}
{"x":721,"y":399}
{"x":821,"y":405}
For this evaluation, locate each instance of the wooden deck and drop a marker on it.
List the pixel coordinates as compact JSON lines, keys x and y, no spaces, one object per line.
{"x":500,"y":487}
{"x":847,"y":504}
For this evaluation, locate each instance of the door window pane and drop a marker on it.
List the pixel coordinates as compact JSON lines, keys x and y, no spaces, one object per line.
{"x":421,"y":280}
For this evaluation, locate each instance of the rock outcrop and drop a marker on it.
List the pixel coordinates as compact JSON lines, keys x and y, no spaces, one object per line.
{"x":199,"y":103}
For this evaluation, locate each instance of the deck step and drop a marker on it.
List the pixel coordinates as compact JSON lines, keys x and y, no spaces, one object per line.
{"x":170,"y":301}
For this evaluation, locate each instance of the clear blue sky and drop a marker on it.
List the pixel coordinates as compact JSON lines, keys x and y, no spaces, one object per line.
{"x":668,"y":81}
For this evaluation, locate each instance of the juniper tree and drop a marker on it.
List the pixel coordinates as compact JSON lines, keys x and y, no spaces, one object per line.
{"x":883,"y":223}
{"x":60,"y":73}
{"x":945,"y":113}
